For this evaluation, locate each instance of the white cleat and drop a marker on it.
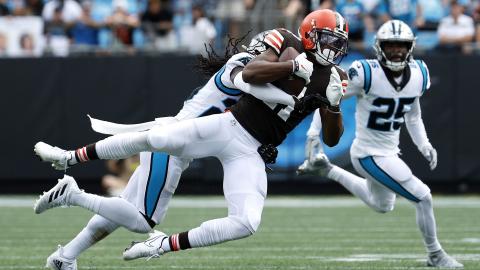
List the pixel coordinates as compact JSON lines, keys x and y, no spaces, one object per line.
{"x":59,"y":195}
{"x":150,"y":248}
{"x":56,"y":261}
{"x":57,"y":156}
{"x":319,"y":166}
{"x":442,"y":260}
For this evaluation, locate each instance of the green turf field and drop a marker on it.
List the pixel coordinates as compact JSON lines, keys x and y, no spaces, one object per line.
{"x":296,"y":233}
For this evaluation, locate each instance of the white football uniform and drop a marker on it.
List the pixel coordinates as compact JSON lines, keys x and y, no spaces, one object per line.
{"x":381,"y":108}
{"x":217,"y":94}
{"x":153,"y":183}
{"x":383,"y":105}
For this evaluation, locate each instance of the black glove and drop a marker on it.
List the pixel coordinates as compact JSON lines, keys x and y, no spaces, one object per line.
{"x":310,"y":103}
{"x":268,"y":152}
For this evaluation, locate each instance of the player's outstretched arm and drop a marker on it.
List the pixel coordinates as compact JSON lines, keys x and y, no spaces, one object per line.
{"x":416,"y":130}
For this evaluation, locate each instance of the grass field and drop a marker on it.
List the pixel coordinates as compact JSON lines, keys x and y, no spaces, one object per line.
{"x":296,"y":233}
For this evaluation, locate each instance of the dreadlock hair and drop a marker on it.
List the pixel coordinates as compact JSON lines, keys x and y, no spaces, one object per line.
{"x":210,"y":64}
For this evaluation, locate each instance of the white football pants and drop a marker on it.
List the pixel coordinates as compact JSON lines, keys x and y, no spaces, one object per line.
{"x":221,"y":136}
{"x":386,"y":176}
{"x":245,"y":183}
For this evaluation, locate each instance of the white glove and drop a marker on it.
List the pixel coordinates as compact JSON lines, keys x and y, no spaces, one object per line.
{"x":302,"y":67}
{"x":430,"y":154}
{"x":335,"y":88}
{"x":312,"y":147}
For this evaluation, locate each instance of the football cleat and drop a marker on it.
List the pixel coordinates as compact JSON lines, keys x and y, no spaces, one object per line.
{"x":57,"y":156}
{"x":442,"y":260}
{"x":59,"y":195}
{"x":150,"y":248}
{"x":319,"y":166}
{"x":56,"y":261}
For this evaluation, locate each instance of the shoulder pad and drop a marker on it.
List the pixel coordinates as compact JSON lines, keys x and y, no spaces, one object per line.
{"x":240,"y":59}
{"x":275,"y":40}
{"x":425,"y":75}
{"x":356,"y":75}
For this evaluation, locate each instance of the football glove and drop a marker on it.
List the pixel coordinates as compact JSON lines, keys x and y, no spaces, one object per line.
{"x":268,"y":152}
{"x":335,"y":89}
{"x":310,"y":103}
{"x":302,"y":67}
{"x":430,"y":155}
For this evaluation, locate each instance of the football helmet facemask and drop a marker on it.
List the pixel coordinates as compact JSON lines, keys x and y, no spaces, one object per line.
{"x":325,"y":34}
{"x":257,"y":45}
{"x":394,"y":31}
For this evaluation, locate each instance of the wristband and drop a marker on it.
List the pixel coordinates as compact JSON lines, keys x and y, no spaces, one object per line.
{"x":295,"y":66}
{"x":334,"y":109}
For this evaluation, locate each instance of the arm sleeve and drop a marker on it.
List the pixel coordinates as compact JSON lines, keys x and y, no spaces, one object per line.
{"x":316,"y":125}
{"x":355,"y":79}
{"x":265,"y":92}
{"x":427,"y":73}
{"x":415,"y":126}
{"x":238,"y":60}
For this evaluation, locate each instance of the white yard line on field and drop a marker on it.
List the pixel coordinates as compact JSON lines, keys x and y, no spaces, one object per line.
{"x":275,"y":202}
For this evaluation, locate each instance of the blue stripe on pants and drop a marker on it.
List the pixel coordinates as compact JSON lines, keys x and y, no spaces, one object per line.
{"x":156,"y":181}
{"x":369,"y":165}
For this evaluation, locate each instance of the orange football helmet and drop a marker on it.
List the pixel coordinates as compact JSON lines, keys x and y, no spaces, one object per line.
{"x":325,"y":33}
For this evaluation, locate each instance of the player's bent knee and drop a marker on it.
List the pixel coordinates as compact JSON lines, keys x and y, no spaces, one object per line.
{"x":157,"y":138}
{"x":139,"y":225}
{"x":384,"y":207}
{"x":100,"y":227}
{"x":250,"y":221}
{"x":427,"y":198}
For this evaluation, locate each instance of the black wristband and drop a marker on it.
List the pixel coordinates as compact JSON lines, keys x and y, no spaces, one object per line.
{"x":334,"y":109}
{"x":295,"y":66}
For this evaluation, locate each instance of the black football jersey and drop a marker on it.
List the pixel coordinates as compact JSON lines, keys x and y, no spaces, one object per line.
{"x":270,"y":123}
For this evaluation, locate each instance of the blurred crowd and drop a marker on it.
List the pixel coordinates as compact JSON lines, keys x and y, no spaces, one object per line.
{"x":66,"y":27}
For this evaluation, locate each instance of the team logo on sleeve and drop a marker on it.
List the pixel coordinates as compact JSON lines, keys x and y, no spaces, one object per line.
{"x":352,"y":72}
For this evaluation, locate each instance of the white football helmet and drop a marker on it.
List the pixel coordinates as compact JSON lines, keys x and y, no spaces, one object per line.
{"x":256,"y":45}
{"x":394,"y":31}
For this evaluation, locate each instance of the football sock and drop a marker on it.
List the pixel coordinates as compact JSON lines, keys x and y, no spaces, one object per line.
{"x":85,"y":153}
{"x":123,"y":145}
{"x":426,"y":224}
{"x":356,"y":185}
{"x":176,"y":242}
{"x":217,"y":231}
{"x":117,"y":210}
{"x":97,"y":228}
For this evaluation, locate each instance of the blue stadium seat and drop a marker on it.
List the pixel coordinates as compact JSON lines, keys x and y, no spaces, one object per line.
{"x":427,"y":39}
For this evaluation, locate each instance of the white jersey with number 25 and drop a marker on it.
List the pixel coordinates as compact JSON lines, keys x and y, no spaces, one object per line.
{"x":382,"y":104}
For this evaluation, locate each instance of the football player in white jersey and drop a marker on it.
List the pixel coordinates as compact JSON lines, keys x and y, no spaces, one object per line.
{"x":388,"y":91}
{"x":145,"y":200}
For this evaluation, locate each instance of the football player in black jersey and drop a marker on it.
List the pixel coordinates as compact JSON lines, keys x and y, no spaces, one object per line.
{"x":234,"y":137}
{"x":324,"y":36}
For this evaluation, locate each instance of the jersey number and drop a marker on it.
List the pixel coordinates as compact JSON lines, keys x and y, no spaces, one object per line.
{"x":398,"y":113}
